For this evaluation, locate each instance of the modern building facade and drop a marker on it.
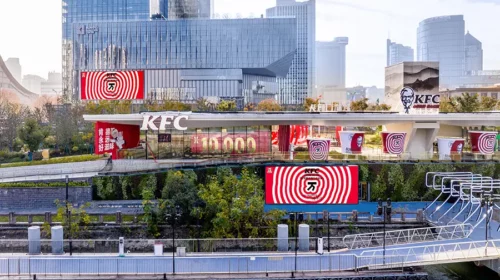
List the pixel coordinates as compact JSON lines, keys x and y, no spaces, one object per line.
{"x":39,"y":85}
{"x":11,"y":89}
{"x":299,"y":83}
{"x":182,"y":9}
{"x":330,"y":63}
{"x":441,"y":39}
{"x":397,"y":53}
{"x":190,"y":59}
{"x":473,"y":54}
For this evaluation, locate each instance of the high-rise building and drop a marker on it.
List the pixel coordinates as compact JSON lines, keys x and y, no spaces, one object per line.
{"x":330,"y":63}
{"x":473,"y":54}
{"x":441,"y":39}
{"x":88,"y":11}
{"x":330,"y":69}
{"x":397,"y":53}
{"x":190,"y":59}
{"x":299,"y":83}
{"x":179,"y":9}
{"x":14,"y":67}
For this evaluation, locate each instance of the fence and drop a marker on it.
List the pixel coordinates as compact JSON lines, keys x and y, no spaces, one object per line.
{"x":232,"y":265}
{"x":144,"y":246}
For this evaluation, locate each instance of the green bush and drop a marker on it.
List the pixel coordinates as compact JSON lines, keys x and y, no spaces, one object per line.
{"x":8,"y":157}
{"x":70,"y":159}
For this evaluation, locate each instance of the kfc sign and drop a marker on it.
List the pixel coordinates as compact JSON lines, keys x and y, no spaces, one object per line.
{"x":410,"y":100}
{"x":156,"y":123}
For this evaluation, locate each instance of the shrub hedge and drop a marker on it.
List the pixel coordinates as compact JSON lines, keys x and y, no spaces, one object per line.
{"x":69,"y":159}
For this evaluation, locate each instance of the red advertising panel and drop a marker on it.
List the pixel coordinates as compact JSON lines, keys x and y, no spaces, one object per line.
{"x":110,"y":137}
{"x":298,"y":135}
{"x":393,"y":142}
{"x":318,"y":148}
{"x":118,"y":85}
{"x":483,"y":142}
{"x":237,"y":143}
{"x":312,"y":185}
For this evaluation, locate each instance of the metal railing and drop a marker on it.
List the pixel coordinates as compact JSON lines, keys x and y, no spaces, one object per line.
{"x":229,"y":265}
{"x":145,"y":246}
{"x":405,"y":236}
{"x":442,"y":253}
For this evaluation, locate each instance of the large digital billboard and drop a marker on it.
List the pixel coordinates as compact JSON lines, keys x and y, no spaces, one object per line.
{"x":312,"y":185}
{"x":116,"y":85}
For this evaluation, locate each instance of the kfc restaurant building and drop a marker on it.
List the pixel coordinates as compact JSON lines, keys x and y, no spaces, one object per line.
{"x":176,"y":135}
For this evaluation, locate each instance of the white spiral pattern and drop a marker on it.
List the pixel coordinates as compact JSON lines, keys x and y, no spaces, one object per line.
{"x":128,"y":85}
{"x":395,"y":143}
{"x":486,"y":143}
{"x":318,"y":149}
{"x":332,"y":185}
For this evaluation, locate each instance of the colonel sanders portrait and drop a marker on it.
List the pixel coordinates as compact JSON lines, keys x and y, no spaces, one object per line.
{"x":407,"y":98}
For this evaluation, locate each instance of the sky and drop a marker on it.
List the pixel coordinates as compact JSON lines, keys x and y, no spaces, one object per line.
{"x":31,"y":29}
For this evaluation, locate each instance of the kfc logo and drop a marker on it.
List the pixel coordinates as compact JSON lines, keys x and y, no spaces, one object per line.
{"x":407,"y":98}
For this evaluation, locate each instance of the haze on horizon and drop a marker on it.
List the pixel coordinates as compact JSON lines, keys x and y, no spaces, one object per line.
{"x":31,"y":29}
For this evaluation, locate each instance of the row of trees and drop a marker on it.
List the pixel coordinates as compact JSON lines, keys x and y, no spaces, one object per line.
{"x":225,"y":204}
{"x":467,"y":103}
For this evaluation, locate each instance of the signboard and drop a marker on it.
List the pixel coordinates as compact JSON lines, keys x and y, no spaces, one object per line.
{"x":110,"y":137}
{"x":393,"y":142}
{"x":450,"y":148}
{"x":311,"y":185}
{"x":318,"y":148}
{"x":413,"y":87}
{"x":237,"y":143}
{"x":483,"y":142}
{"x":164,"y":138}
{"x":157,"y":122}
{"x":352,"y":142}
{"x":117,"y":85}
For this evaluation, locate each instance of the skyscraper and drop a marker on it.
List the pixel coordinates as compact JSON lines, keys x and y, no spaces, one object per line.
{"x":473,"y":54}
{"x":397,"y":53}
{"x":441,"y":39}
{"x":299,"y":83}
{"x":178,"y":9}
{"x":330,"y":69}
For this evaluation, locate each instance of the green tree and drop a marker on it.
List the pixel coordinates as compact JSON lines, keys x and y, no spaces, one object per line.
{"x":447,"y":105}
{"x":31,"y":134}
{"x":180,"y":190}
{"x":105,"y":187}
{"x":269,"y":105}
{"x":467,"y":103}
{"x":309,"y":102}
{"x":235,"y":206}
{"x":488,"y":103}
{"x":202,"y":105}
{"x":148,"y":189}
{"x":359,"y":105}
{"x":125,"y":182}
{"x":226,"y":106}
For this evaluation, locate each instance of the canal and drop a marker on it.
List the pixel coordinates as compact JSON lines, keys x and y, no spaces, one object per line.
{"x":460,"y":271}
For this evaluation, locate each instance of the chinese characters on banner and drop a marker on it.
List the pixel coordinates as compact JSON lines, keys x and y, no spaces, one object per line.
{"x":110,"y":138}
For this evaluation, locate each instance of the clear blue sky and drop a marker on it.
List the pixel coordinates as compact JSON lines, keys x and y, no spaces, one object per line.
{"x":31,"y":29}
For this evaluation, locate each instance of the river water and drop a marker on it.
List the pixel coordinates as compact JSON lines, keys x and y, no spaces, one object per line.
{"x":460,"y":271}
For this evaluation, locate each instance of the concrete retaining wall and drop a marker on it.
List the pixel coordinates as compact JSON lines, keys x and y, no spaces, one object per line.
{"x":41,"y":198}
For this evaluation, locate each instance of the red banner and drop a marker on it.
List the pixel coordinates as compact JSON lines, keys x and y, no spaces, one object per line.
{"x":312,"y":185}
{"x":483,"y":142}
{"x":298,"y":135}
{"x":110,"y":137}
{"x":237,"y":143}
{"x":393,"y":143}
{"x":118,"y":85}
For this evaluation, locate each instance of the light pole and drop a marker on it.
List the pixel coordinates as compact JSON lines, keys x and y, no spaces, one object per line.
{"x":488,"y":204}
{"x":296,"y":217}
{"x":68,"y":217}
{"x":173,"y":213}
{"x":385,"y":210}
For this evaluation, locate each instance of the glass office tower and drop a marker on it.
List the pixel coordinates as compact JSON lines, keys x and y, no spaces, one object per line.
{"x":441,"y":39}
{"x":299,"y":83}
{"x":238,"y":58}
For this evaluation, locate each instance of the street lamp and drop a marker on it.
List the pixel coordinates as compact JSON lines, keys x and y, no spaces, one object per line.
{"x":385,"y":210}
{"x":294,"y":217}
{"x":488,"y":204}
{"x":68,"y":216}
{"x":173,"y":213}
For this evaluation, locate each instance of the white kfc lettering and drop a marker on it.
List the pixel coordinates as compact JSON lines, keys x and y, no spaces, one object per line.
{"x":148,"y":122}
